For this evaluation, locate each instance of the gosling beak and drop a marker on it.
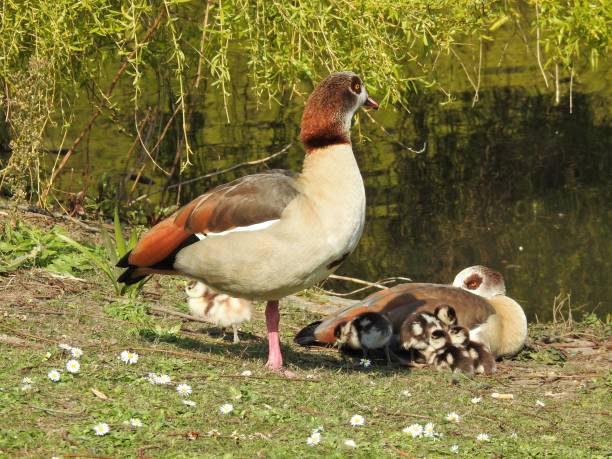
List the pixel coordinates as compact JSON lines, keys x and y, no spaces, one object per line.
{"x":371,"y":103}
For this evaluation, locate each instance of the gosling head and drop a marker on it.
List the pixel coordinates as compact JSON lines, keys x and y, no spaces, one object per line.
{"x":438,"y":339}
{"x":459,"y":335}
{"x":446,"y":314}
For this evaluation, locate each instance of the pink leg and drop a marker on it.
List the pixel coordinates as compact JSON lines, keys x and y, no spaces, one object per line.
{"x":275,"y":358}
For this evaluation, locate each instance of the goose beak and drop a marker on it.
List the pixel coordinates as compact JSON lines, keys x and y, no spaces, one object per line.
{"x":371,"y":103}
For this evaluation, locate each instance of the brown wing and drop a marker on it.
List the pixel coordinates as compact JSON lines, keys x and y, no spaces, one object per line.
{"x":402,"y":300}
{"x":249,"y":200}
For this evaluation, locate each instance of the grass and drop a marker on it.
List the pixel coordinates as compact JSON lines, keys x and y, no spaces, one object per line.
{"x":272,"y":416}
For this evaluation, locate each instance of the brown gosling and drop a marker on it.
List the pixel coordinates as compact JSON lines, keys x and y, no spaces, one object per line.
{"x":483,"y":360}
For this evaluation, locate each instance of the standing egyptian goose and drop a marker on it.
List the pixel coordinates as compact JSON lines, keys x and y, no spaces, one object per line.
{"x":268,"y":235}
{"x":478,"y":296}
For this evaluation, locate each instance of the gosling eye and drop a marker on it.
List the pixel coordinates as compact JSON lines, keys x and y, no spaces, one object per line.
{"x":356,"y":85}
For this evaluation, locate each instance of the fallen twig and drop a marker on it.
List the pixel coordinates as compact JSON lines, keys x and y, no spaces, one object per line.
{"x":157,"y":309}
{"x":58,"y":412}
{"x":219,"y":172}
{"x":264,"y":378}
{"x":28,"y":335}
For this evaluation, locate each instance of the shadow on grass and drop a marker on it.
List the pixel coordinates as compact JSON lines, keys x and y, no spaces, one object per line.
{"x":252,"y":346}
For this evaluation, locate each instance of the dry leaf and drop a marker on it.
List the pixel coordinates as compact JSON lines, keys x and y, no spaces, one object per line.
{"x":99,"y":394}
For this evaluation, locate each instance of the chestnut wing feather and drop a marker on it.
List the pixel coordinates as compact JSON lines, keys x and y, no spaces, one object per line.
{"x":402,"y":300}
{"x":246,"y":201}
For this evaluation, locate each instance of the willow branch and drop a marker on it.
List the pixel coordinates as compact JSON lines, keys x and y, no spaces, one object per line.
{"x":98,"y":109}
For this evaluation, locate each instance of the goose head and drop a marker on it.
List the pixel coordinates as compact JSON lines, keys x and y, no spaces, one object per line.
{"x":481,"y":281}
{"x":330,"y":108}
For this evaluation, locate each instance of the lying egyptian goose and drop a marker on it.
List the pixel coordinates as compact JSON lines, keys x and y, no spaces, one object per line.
{"x":217,"y":308}
{"x":478,"y":295}
{"x":268,"y":235}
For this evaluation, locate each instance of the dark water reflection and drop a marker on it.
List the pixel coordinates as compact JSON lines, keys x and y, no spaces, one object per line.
{"x":515,"y":183}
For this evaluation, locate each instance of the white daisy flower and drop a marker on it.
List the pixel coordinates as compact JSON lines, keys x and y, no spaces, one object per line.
{"x":416,"y":430}
{"x":26,"y":387}
{"x":226,"y":408}
{"x":428,"y":430}
{"x":454,"y":449}
{"x":357,"y":420}
{"x":101,"y":428}
{"x":27,"y":380}
{"x":365,"y":363}
{"x":482,"y":437}
{"x":453,"y":417}
{"x":476,"y":400}
{"x":65,"y":347}
{"x":314,"y":439}
{"x":189,"y":403}
{"x":128,"y":357}
{"x":246,"y":373}
{"x":76,"y":352}
{"x":135,"y":422}
{"x":162,"y":379}
{"x":54,"y":375}
{"x":350,"y":443}
{"x":540,"y":403}
{"x":184,"y":390}
{"x":73,"y":366}
{"x":405,"y":393}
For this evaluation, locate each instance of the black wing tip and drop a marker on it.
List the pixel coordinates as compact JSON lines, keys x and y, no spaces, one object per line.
{"x":306,"y":337}
{"x":124,"y":262}
{"x":131,"y":276}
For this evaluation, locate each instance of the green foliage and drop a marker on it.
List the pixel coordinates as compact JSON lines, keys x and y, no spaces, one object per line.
{"x":160,"y":333}
{"x":574,"y":29}
{"x":549,"y":356}
{"x":24,"y":246}
{"x":397,"y":45}
{"x":114,"y":248}
{"x":127,"y":309}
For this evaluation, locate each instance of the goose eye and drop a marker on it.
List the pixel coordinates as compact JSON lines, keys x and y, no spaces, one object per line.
{"x":357,"y":87}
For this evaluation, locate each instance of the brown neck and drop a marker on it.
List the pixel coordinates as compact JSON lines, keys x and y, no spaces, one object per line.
{"x":324,"y":123}
{"x":323,"y":135}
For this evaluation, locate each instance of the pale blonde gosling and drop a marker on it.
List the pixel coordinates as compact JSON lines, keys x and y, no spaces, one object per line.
{"x":218,"y":309}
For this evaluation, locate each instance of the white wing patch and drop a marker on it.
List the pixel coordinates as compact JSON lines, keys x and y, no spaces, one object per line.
{"x":240,"y":229}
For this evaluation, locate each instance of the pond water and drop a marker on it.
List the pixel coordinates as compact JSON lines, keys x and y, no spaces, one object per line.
{"x":514,"y":182}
